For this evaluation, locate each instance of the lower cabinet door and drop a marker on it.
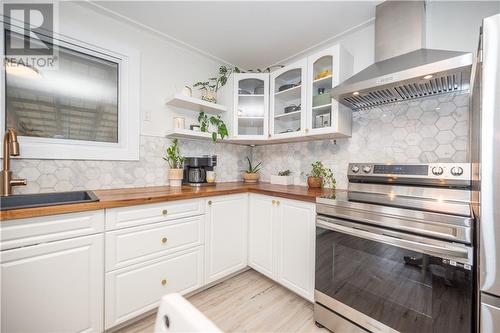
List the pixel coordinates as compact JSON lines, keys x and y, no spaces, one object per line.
{"x":53,"y":287}
{"x":226,"y":236}
{"x":136,"y":289}
{"x":262,"y":234}
{"x":296,"y":224}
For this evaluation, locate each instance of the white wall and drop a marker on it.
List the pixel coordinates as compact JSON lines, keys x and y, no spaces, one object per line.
{"x":165,"y":69}
{"x":165,"y":66}
{"x":454,"y":25}
{"x":450,"y":25}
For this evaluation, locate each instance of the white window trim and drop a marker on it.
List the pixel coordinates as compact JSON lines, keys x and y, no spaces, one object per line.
{"x":127,"y":148}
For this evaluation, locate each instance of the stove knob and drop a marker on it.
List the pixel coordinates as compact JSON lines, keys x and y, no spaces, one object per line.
{"x":367,"y":169}
{"x":457,"y":171}
{"x":355,"y":169}
{"x":437,"y":171}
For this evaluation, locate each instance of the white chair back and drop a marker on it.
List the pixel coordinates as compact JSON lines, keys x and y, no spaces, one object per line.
{"x":176,"y":314}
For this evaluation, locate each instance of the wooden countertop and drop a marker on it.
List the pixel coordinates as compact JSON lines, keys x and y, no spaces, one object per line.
{"x":144,"y":195}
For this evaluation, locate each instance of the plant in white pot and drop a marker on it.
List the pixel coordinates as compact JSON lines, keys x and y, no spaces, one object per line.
{"x":283,"y":178}
{"x":209,"y":88}
{"x":175,"y":161}
{"x":251,"y":174}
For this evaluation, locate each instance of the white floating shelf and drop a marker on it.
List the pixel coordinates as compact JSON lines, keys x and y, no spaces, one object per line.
{"x":189,"y":134}
{"x":195,"y":135}
{"x":195,"y":104}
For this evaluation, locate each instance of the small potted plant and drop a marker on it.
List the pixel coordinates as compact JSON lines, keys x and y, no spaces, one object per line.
{"x":319,"y":176}
{"x":283,"y":178}
{"x":209,"y":88}
{"x":175,"y":161}
{"x":251,"y":174}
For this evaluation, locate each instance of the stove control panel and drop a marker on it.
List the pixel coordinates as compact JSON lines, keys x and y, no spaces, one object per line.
{"x":454,"y":172}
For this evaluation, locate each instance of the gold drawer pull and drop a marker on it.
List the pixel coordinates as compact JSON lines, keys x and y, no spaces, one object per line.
{"x":164,"y":240}
{"x":278,"y":202}
{"x":163,"y":282}
{"x":210,"y":202}
{"x":164,"y":212}
{"x":274,"y":202}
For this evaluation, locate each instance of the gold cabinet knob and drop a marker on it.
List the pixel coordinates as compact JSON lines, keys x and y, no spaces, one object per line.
{"x":274,"y":202}
{"x":269,"y":135}
{"x":307,"y":130}
{"x":210,"y":202}
{"x":164,"y":240}
{"x":164,"y":282}
{"x":278,"y":202}
{"x":164,"y":212}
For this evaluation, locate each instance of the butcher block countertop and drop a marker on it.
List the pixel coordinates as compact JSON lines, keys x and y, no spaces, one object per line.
{"x":144,"y":195}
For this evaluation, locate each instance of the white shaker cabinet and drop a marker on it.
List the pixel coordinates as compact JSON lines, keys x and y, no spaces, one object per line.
{"x":225,"y":236}
{"x":54,"y":287}
{"x":296,"y":232}
{"x":262,"y":234}
{"x":282,"y":240}
{"x":136,"y":289}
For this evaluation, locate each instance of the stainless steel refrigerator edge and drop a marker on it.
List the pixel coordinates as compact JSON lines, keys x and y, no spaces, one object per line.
{"x":485,"y":157}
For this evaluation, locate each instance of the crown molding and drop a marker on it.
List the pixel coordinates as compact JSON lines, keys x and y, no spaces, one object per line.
{"x":108,"y":12}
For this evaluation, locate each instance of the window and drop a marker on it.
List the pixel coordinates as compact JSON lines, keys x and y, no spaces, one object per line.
{"x":81,"y":110}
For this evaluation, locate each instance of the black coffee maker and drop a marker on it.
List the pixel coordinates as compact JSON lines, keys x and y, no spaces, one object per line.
{"x":195,"y":169}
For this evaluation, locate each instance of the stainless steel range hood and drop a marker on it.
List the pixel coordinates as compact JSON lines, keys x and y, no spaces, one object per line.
{"x":404,"y":69}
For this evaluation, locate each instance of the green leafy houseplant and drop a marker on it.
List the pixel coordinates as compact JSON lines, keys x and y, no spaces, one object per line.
{"x":283,"y":178}
{"x":257,"y":70}
{"x":216,"y":122}
{"x":251,"y":174}
{"x":320,"y":176}
{"x":284,"y":173}
{"x":175,"y":161}
{"x":209,"y":88}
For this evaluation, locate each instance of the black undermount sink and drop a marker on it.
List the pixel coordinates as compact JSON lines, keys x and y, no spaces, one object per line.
{"x":46,"y":199}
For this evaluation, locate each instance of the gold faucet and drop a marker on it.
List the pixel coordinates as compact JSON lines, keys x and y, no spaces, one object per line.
{"x":10,"y":148}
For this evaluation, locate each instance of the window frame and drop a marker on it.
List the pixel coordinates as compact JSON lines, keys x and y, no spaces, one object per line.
{"x":127,"y":147}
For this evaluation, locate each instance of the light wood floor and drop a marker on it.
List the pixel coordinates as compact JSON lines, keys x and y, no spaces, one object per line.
{"x":248,"y":302}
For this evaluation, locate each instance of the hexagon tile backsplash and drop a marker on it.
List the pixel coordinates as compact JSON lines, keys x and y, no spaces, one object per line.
{"x":150,"y":170}
{"x":434,"y":129}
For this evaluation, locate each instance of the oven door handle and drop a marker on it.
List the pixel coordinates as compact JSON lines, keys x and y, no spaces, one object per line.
{"x":436,"y":248}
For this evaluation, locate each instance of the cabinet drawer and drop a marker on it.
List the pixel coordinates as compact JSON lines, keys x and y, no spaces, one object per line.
{"x":122,"y":217}
{"x":35,"y":230}
{"x":136,"y":289}
{"x":133,"y":245}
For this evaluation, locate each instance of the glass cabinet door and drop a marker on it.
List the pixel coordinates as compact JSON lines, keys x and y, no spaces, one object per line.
{"x":324,"y":72}
{"x":322,"y":77}
{"x":288,"y":100}
{"x":251,"y":105}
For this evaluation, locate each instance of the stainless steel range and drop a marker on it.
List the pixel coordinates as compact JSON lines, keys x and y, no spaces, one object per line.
{"x":395,"y":252}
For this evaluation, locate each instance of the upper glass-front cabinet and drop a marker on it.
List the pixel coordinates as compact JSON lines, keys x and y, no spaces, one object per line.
{"x":288,"y":97}
{"x":251,"y":106}
{"x":325,"y":70}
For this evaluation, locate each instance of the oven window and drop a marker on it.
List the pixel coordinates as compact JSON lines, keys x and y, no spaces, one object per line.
{"x":403,"y":289}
